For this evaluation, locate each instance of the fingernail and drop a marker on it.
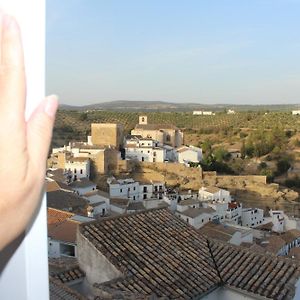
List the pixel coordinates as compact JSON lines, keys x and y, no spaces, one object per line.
{"x":51,"y":106}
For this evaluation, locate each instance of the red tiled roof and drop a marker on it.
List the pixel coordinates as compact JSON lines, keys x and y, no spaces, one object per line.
{"x":59,"y":291}
{"x":64,"y":231}
{"x":56,"y":215}
{"x":160,"y":254}
{"x":68,"y":275}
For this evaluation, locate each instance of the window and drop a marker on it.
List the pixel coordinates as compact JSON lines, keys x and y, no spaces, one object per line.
{"x":81,"y":171}
{"x":128,"y":189}
{"x":145,"y":196}
{"x":67,"y":250}
{"x":154,"y":160}
{"x":145,"y":189}
{"x":75,"y":171}
{"x":121,"y":191}
{"x":143,"y":159}
{"x":154,"y":153}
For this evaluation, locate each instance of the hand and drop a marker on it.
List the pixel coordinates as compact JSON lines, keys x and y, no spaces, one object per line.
{"x":23,"y":144}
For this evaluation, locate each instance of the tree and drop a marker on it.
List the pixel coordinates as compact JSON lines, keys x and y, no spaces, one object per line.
{"x":282,"y":166}
{"x":83,"y":116}
{"x":221,"y":154}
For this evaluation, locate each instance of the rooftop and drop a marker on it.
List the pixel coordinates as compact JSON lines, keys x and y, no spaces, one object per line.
{"x":218,"y":231}
{"x":56,"y":215}
{"x":120,"y":202}
{"x":136,"y":206}
{"x":82,"y":183}
{"x":65,"y":200}
{"x":159,"y":254}
{"x":68,"y":275}
{"x":273,"y":244}
{"x":290,"y":235}
{"x":211,"y":189}
{"x":64,"y":231}
{"x":189,"y":201}
{"x":59,"y":291}
{"x":195,"y":212}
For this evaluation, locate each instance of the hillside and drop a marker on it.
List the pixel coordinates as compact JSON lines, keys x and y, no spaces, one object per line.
{"x":162,"y":106}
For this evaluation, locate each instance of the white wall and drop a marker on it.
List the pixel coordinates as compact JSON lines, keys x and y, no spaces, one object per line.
{"x":252,"y":216}
{"x":82,"y":169}
{"x":83,"y":190}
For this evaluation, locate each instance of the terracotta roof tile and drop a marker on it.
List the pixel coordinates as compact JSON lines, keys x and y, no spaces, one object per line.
{"x":195,"y":212}
{"x":68,"y":275}
{"x":290,"y":235}
{"x":158,"y":253}
{"x":59,"y":291}
{"x":56,"y":215}
{"x":265,"y":275}
{"x":64,"y":231}
{"x":65,"y":200}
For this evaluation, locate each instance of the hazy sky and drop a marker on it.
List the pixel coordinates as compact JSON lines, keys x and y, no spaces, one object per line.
{"x":206,"y":51}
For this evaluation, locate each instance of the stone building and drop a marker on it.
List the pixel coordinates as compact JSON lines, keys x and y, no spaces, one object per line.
{"x":107,"y":134}
{"x":163,"y":133}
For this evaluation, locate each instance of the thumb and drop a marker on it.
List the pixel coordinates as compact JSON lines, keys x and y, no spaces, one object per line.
{"x":39,"y":130}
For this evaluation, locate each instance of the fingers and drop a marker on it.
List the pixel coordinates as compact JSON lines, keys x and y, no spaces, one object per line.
{"x":39,"y":131}
{"x":12,"y":74}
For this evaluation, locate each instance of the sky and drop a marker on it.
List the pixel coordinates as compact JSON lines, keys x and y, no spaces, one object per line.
{"x":202,"y":51}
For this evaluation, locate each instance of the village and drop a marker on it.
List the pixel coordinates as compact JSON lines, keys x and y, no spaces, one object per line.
{"x":111,"y":177}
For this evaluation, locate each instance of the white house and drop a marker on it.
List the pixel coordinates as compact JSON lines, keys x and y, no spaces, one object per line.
{"x":134,"y":190}
{"x":230,"y":112}
{"x":197,"y":217}
{"x":187,"y":194}
{"x":208,"y":113}
{"x":99,"y":203}
{"x":227,"y":211}
{"x":62,"y":239}
{"x":235,"y":235}
{"x":252,"y":217}
{"x":83,"y":186}
{"x":119,"y":205}
{"x":203,"y":113}
{"x":234,"y":213}
{"x":197,"y":112}
{"x":214,"y":193}
{"x":189,"y":154}
{"x":62,"y":229}
{"x":144,"y":149}
{"x":187,"y":203}
{"x":78,"y":167}
{"x":296,"y":112}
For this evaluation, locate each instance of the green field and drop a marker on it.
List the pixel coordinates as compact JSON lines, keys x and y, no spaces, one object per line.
{"x":72,"y":125}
